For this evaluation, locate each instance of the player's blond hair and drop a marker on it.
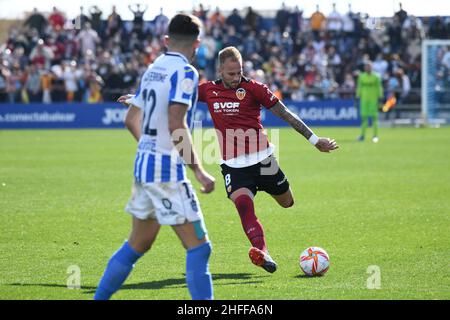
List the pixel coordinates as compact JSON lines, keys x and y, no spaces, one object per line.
{"x":229,"y":53}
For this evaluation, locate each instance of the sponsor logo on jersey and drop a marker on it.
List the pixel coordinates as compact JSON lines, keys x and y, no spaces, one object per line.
{"x":226,"y":107}
{"x":240,"y":93}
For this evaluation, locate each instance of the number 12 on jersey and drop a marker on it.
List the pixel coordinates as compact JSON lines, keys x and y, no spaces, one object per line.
{"x":150,"y":98}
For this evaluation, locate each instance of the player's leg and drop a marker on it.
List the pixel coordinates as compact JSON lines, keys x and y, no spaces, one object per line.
{"x":364,"y":112}
{"x":191,"y":234}
{"x":198,"y":250}
{"x":375,"y":127}
{"x":142,"y":236}
{"x":286,"y":200}
{"x":364,"y":124}
{"x":177,"y":205}
{"x":243,"y":201}
{"x":272,"y":180}
{"x":258,"y":253}
{"x":144,"y":231}
{"x":241,"y":188}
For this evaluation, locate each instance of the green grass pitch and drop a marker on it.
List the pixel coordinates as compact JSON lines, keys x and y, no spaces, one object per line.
{"x":62,"y":194}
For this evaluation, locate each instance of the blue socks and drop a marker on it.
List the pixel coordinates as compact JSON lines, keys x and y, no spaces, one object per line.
{"x":118,"y":269}
{"x":198,"y":278}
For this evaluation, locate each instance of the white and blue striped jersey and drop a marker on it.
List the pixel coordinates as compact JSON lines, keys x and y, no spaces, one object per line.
{"x":169,"y":79}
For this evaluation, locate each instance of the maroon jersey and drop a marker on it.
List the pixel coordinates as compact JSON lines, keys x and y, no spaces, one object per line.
{"x":236,"y":114}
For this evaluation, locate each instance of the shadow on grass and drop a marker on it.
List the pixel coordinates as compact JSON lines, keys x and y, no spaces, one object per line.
{"x":242,"y":278}
{"x":304,"y":276}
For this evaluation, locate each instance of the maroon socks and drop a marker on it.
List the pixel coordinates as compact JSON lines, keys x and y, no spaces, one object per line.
{"x":252,"y":227}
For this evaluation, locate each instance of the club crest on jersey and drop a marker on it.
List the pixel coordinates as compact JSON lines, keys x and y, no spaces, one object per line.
{"x":240,"y":93}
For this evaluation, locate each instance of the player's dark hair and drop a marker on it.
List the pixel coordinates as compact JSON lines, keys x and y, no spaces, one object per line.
{"x":229,"y":53}
{"x":184,"y":28}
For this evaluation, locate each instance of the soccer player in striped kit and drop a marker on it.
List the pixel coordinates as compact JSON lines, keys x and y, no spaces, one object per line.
{"x":162,"y":194}
{"x":248,"y":164}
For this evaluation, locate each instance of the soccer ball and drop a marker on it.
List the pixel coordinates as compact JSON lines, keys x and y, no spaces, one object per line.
{"x":314,"y":261}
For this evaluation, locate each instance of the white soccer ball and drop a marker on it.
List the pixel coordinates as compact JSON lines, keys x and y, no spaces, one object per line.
{"x":314,"y":261}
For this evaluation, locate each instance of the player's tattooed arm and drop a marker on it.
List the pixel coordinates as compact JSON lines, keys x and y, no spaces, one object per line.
{"x":322,"y":144}
{"x":280,"y":110}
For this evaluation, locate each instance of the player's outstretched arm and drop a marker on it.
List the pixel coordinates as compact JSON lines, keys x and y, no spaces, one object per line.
{"x":182,"y":140}
{"x":326,"y":144}
{"x":322,"y":144}
{"x":124,"y":99}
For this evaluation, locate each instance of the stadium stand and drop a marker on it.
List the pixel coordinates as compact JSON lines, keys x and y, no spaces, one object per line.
{"x":94,"y":58}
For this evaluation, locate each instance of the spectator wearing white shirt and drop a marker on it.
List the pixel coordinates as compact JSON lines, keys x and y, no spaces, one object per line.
{"x":33,"y":83}
{"x":380,"y":66}
{"x":70,"y":76}
{"x":334,"y":59}
{"x":334,"y":21}
{"x":319,"y":43}
{"x":404,"y":82}
{"x":88,"y":39}
{"x":412,"y":28}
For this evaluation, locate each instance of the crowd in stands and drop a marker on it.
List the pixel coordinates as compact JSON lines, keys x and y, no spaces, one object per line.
{"x":93,"y":58}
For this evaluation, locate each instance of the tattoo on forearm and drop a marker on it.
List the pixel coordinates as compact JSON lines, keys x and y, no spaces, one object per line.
{"x":287,"y":115}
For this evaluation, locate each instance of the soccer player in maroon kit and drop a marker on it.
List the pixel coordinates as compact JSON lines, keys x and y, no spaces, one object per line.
{"x":248,"y":164}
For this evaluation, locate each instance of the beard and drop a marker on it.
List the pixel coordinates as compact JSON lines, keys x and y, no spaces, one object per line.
{"x":231,"y":84}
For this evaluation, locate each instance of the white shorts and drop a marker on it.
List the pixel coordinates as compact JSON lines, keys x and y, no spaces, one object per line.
{"x":170,"y":203}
